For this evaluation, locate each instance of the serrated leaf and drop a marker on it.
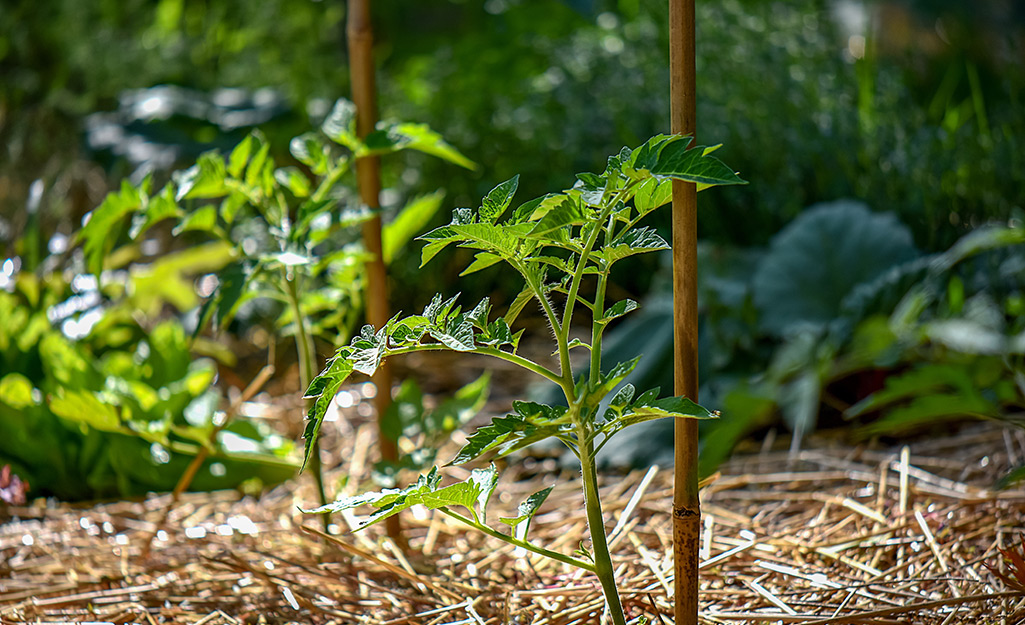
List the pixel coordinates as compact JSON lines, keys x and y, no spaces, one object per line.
{"x":506,"y":434}
{"x":678,"y":161}
{"x":568,"y":212}
{"x":482,"y":260}
{"x":480,"y":313}
{"x":485,"y":480}
{"x":636,"y":241}
{"x":322,"y":390}
{"x":619,"y":309}
{"x":652,"y":193}
{"x":527,"y":509}
{"x":487,"y":237}
{"x":536,"y":209}
{"x":498,"y":199}
{"x":457,"y":334}
{"x":517,"y":305}
{"x":623,"y":398}
{"x":203,"y":180}
{"x":425,"y":492}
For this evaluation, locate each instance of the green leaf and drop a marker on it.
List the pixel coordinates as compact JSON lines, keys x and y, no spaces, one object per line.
{"x":458,"y":409}
{"x":83,"y":406}
{"x":457,"y":334}
{"x":322,"y":390}
{"x":410,"y":221}
{"x":488,"y":237}
{"x":483,"y":260}
{"x":652,"y":193}
{"x":631,"y":242}
{"x":309,"y":150}
{"x":693,"y":165}
{"x":475,"y":491}
{"x":618,"y":309}
{"x":506,"y":434}
{"x":16,"y":391}
{"x":340,"y":125}
{"x":527,"y":509}
{"x":569,"y":212}
{"x":100,"y":232}
{"x":517,"y":305}
{"x":203,"y":180}
{"x":820,"y":257}
{"x":293,"y":180}
{"x":203,"y":219}
{"x":417,"y":137}
{"x":159,"y":207}
{"x":240,"y":156}
{"x":498,"y":199}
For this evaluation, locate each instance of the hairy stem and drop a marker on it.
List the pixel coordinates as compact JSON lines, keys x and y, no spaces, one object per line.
{"x":596,"y":527}
{"x":516,"y":542}
{"x":598,"y":328}
{"x":307,"y":355}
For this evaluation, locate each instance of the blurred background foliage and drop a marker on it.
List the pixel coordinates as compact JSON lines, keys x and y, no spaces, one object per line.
{"x":908,"y":109}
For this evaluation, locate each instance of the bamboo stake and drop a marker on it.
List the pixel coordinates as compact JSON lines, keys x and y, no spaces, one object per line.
{"x":368,"y":174}
{"x":686,"y":507}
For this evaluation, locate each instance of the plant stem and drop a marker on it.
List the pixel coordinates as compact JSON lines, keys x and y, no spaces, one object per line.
{"x":307,"y":355}
{"x":526,"y":363}
{"x":596,"y":526}
{"x":554,"y":555}
{"x":598,"y":328}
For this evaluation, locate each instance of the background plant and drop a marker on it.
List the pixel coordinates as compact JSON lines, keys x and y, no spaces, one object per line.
{"x":554,"y":243}
{"x":94,"y":405}
{"x":271,"y":227}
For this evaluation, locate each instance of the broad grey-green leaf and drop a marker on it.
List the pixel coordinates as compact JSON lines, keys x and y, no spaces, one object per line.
{"x":498,"y":199}
{"x":518,"y":304}
{"x":820,"y":257}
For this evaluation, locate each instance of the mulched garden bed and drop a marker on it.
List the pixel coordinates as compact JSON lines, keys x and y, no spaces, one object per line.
{"x":830,"y":534}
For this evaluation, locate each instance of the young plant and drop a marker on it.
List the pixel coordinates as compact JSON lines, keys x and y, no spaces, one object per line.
{"x":276,"y":222}
{"x":556,"y":243}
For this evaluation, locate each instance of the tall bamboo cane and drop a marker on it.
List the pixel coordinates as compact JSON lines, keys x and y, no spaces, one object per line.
{"x":368,"y":174}
{"x":686,"y":507}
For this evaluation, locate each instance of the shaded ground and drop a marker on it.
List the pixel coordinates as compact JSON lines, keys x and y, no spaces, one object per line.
{"x":832,"y":535}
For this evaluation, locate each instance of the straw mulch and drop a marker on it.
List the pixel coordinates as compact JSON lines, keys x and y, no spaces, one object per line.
{"x":827,"y":535}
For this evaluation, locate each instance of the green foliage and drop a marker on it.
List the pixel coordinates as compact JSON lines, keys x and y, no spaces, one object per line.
{"x":841,"y":319}
{"x":554,"y":243}
{"x":118,"y":410}
{"x":276,"y":221}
